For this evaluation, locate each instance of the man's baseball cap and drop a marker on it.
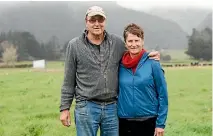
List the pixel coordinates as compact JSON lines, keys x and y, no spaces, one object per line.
{"x":95,"y":10}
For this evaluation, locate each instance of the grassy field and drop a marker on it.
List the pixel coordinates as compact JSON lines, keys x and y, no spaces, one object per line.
{"x":177,"y":55}
{"x":29,"y":102}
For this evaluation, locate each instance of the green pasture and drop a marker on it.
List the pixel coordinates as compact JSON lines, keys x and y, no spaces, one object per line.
{"x":29,"y":102}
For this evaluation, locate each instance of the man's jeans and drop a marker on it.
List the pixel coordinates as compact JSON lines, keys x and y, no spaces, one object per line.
{"x":90,"y":116}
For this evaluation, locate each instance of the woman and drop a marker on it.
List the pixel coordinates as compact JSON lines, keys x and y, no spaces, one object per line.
{"x":143,"y":100}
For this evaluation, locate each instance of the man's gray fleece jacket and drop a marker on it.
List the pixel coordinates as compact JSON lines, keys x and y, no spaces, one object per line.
{"x":89,"y":78}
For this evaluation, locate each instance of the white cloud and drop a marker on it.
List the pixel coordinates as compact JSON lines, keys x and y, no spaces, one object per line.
{"x":144,"y":4}
{"x":147,"y":4}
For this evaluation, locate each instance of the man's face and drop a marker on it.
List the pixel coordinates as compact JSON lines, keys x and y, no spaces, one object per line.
{"x":95,"y":24}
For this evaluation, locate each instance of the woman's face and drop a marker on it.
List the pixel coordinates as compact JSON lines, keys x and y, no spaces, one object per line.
{"x":134,"y":44}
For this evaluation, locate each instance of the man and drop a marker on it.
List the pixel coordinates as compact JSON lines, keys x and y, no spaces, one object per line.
{"x":91,"y":76}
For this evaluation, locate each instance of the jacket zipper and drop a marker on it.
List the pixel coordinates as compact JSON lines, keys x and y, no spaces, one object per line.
{"x":133,"y":95}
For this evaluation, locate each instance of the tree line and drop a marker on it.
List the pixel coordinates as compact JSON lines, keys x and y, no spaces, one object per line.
{"x":27,"y":46}
{"x":200,"y":44}
{"x":21,"y":46}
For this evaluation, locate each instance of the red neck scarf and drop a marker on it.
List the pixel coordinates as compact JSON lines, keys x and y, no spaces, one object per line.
{"x":130,"y":62}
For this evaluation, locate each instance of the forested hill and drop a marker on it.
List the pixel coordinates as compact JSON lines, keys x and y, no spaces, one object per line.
{"x":65,"y":20}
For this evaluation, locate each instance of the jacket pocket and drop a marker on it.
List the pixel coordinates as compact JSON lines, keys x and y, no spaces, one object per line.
{"x":152,"y":97}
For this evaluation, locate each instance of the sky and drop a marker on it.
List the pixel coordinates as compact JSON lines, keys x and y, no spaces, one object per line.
{"x":148,"y":4}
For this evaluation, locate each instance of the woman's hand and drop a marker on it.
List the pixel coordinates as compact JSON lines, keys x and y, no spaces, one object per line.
{"x":159,"y":132}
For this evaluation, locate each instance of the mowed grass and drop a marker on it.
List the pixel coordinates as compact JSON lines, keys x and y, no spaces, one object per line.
{"x":29,"y":102}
